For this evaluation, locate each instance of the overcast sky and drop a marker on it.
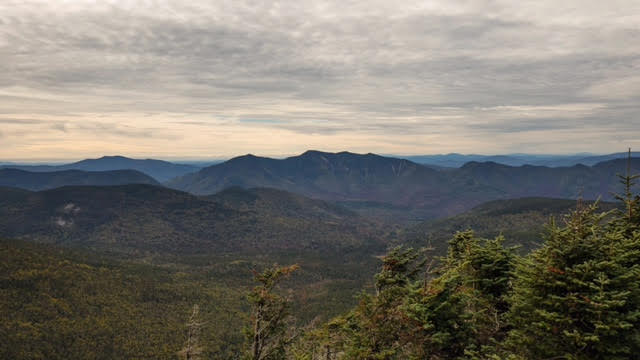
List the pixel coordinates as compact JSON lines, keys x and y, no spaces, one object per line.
{"x":210,"y":79}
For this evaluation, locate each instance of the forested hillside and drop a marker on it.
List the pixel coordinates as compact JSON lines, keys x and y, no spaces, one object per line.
{"x":143,"y":219}
{"x":521,"y":221}
{"x":62,"y":304}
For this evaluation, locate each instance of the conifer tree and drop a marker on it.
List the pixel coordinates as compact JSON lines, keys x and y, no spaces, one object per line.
{"x":576,"y":297}
{"x":270,"y":332}
{"x":629,"y":217}
{"x":455,"y":311}
{"x":460,"y":312}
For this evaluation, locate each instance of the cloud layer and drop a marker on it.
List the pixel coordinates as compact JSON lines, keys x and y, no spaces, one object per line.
{"x":219,"y":78}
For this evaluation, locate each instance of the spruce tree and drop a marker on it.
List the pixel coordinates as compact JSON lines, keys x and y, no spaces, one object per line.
{"x":576,"y":297}
{"x":459,"y":313}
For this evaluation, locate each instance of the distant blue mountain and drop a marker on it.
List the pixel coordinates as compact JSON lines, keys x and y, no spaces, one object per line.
{"x":157,"y":169}
{"x":29,"y":180}
{"x":368,"y":178}
{"x":455,"y":160}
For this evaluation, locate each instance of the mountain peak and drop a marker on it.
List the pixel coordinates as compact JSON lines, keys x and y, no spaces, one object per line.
{"x":246,"y":157}
{"x":112,"y":157}
{"x":312,"y":153}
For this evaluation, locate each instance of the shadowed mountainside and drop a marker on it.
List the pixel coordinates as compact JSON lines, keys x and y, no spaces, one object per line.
{"x":383,"y":186}
{"x":139,"y":219}
{"x":280,"y":203}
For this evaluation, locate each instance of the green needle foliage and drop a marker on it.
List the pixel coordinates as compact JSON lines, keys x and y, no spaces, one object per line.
{"x":420,"y":312}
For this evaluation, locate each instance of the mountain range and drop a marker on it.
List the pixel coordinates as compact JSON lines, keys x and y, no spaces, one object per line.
{"x":454,"y":160}
{"x":10,"y":177}
{"x":371,"y":183}
{"x":160,"y":170}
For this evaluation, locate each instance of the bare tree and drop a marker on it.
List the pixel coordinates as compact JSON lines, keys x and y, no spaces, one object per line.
{"x":192,"y":349}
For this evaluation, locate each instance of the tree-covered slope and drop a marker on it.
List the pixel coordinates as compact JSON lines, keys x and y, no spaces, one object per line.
{"x":280,"y":203}
{"x":62,"y":304}
{"x":522,"y":222}
{"x":597,"y":181}
{"x":144,"y":219}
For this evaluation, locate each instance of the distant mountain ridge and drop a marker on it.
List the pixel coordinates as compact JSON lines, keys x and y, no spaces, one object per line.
{"x":454,"y":160}
{"x":48,"y":180}
{"x":367,"y":178}
{"x":370,"y":184}
{"x":158,"y":169}
{"x":330,"y":176}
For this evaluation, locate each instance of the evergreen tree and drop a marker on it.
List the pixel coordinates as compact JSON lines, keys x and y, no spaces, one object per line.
{"x":577,"y":296}
{"x":271,"y":330}
{"x":629,"y":217}
{"x":453,"y":312}
{"x":460,"y":312}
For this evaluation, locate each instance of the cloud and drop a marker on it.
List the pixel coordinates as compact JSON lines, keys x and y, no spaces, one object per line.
{"x":367,"y":75}
{"x":616,"y":89}
{"x":20,"y":121}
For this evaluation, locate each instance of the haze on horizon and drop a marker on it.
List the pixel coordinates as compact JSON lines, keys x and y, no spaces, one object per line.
{"x":214,"y":79}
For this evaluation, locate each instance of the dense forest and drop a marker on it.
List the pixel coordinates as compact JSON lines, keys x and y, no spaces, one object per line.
{"x":576,"y":295}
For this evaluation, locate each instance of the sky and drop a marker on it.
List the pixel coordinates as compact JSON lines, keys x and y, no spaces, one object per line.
{"x":213,"y":79}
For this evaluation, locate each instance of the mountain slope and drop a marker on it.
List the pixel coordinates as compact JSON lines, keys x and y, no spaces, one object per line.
{"x":141,"y":219}
{"x":388,"y":187}
{"x":48,"y":180}
{"x":592,"y":182}
{"x":158,"y":169}
{"x":344,"y":177}
{"x":280,"y":203}
{"x":339,"y":176}
{"x":76,"y":305}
